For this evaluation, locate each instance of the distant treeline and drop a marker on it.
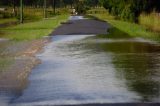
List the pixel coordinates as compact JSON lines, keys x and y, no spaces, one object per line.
{"x":80,"y":5}
{"x":59,"y":3}
{"x":37,"y":3}
{"x":123,"y":9}
{"x":130,"y":9}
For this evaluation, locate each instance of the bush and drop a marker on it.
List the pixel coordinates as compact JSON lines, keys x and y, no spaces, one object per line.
{"x":29,"y":17}
{"x":114,"y":11}
{"x":81,"y":8}
{"x":151,"y":21}
{"x":130,"y":9}
{"x":4,"y":14}
{"x":127,"y":14}
{"x":31,"y":14}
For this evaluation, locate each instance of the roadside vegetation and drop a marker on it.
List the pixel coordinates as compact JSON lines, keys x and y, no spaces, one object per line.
{"x":33,"y":30}
{"x":130,"y":10}
{"x":132,"y":29}
{"x":139,"y":18}
{"x":151,"y":21}
{"x":8,"y":20}
{"x":38,"y":21}
{"x":34,"y":26}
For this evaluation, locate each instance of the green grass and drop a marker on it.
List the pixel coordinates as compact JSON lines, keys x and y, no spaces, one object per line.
{"x":116,"y":33}
{"x":129,"y":28}
{"x":3,"y":21}
{"x":34,"y":14}
{"x":33,"y":30}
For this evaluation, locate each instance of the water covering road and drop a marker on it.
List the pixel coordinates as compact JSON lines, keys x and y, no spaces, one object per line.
{"x":81,"y":69}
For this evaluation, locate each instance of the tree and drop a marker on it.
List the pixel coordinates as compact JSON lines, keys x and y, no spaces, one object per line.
{"x":21,"y":11}
{"x":54,"y":6}
{"x":130,"y":9}
{"x":91,"y":3}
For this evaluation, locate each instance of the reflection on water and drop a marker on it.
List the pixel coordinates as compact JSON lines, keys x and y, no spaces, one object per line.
{"x":76,"y":17}
{"x":138,"y":63}
{"x":141,"y":71}
{"x":76,"y":70}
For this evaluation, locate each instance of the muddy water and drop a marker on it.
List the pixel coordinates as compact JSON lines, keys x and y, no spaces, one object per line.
{"x":89,"y":69}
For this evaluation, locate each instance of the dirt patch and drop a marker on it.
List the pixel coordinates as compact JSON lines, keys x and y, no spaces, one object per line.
{"x":15,"y":78}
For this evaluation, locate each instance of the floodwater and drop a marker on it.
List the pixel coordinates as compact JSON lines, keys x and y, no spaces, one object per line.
{"x":82,"y":69}
{"x":76,"y":18}
{"x":79,"y":69}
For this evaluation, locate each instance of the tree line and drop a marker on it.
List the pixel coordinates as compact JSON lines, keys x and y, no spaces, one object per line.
{"x":59,"y":3}
{"x":130,"y":9}
{"x":38,"y":3}
{"x":124,"y":9}
{"x":80,"y":5}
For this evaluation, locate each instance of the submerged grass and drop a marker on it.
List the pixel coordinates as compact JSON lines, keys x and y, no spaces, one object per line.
{"x":33,"y":30}
{"x":131,"y":29}
{"x":114,"y":33}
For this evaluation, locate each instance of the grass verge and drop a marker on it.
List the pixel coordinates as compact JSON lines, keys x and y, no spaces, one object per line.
{"x":33,"y":30}
{"x":131,"y":29}
{"x":3,"y":21}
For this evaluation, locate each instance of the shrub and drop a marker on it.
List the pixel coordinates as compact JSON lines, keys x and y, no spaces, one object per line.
{"x":130,"y":9}
{"x":127,"y":14}
{"x":28,"y":17}
{"x":151,"y":21}
{"x":81,"y":8}
{"x":4,"y":14}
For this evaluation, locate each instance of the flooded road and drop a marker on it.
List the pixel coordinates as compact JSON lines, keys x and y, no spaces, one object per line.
{"x":84,"y":69}
{"x":80,"y":69}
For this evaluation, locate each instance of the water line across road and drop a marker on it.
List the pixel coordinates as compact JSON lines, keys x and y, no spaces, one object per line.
{"x":81,"y":68}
